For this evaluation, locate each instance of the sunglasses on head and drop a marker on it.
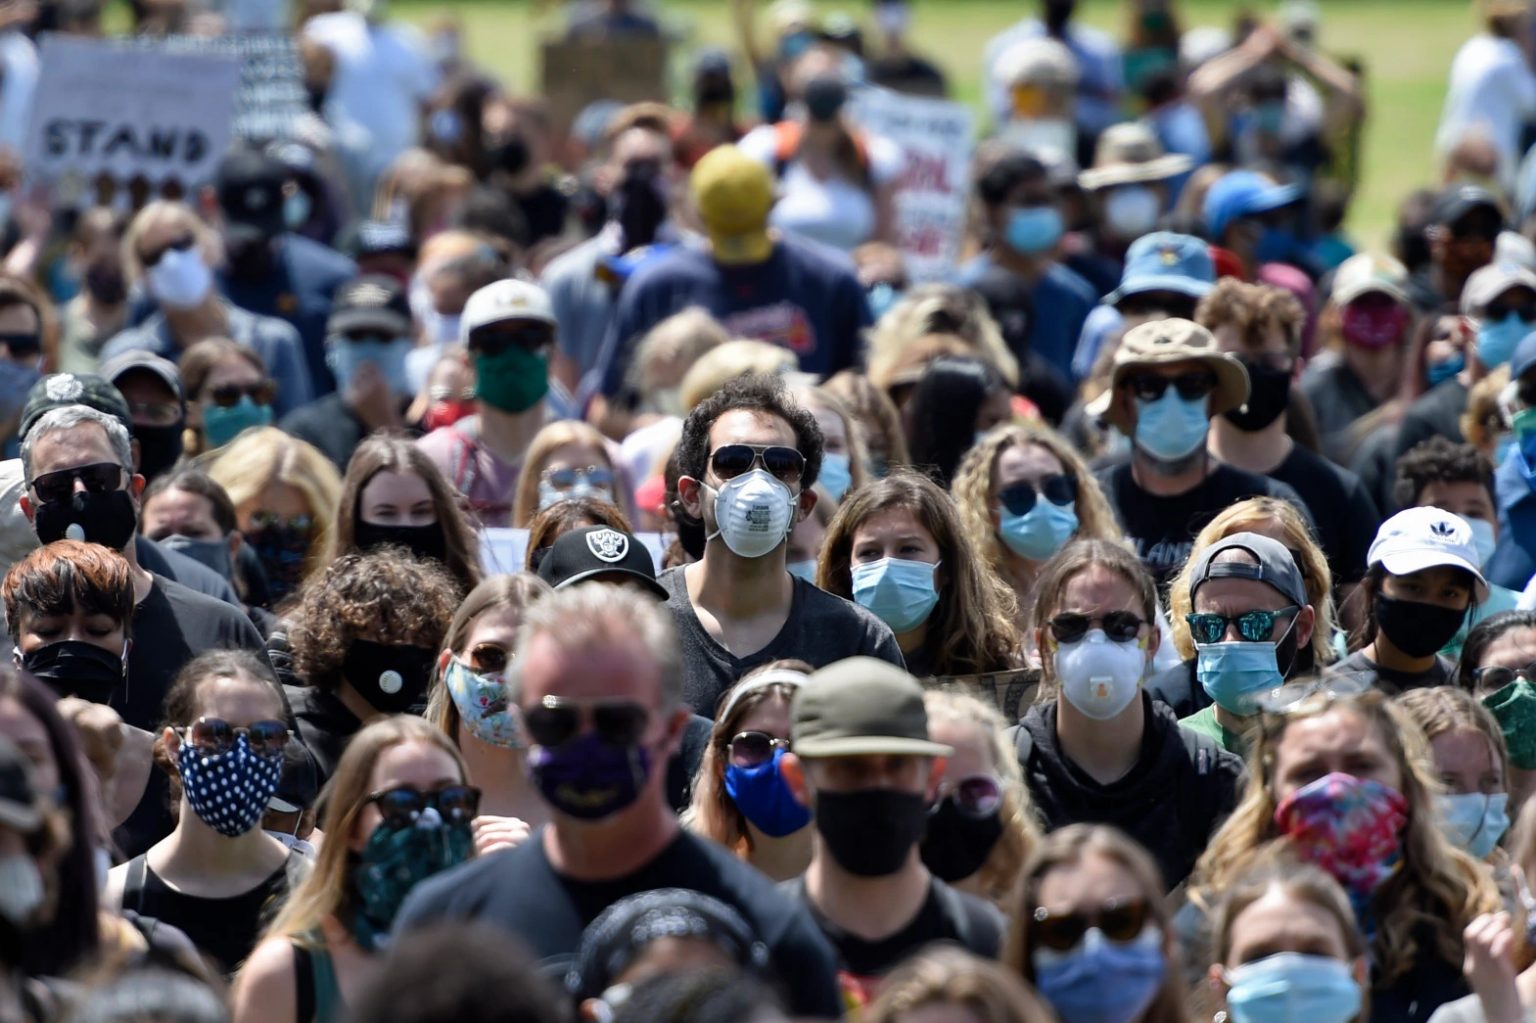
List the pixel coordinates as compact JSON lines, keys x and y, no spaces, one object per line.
{"x":402,"y":807}
{"x":749,"y":749}
{"x":229,"y":395}
{"x":497,"y":338}
{"x":977,"y":796}
{"x":213,"y":736}
{"x":1493,"y":679}
{"x":1120,"y":920}
{"x":153,"y":256}
{"x":731,"y":460}
{"x":98,"y":477}
{"x":1151,"y":387}
{"x":1019,"y":498}
{"x":1253,"y":626}
{"x":552,"y":721}
{"x":1118,"y":626}
{"x":565,"y":479}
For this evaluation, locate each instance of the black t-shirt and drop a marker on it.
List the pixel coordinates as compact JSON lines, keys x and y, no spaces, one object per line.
{"x":1163,"y":528}
{"x":1338,"y":399}
{"x":1392,"y":681}
{"x":325,"y":725}
{"x":519,"y":891}
{"x":821,"y":628}
{"x":1345,"y":516}
{"x":1436,"y":413}
{"x":329,"y":425}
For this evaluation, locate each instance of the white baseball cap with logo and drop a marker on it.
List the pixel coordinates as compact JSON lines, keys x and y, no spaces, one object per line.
{"x":1421,"y":538}
{"x":504,"y":301}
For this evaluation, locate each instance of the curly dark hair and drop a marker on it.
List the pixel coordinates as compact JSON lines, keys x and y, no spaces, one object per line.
{"x":386,"y":594}
{"x":1437,"y":460}
{"x":758,"y":393}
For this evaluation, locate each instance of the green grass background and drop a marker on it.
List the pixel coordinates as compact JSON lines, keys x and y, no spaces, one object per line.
{"x":1407,"y":46}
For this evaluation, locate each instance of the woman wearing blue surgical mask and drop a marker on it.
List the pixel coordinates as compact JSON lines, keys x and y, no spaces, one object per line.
{"x":844,"y":460}
{"x":1472,"y":762}
{"x":807,"y":539}
{"x":1286,"y":949}
{"x":739,"y":798}
{"x":228,"y":392}
{"x":1092,"y":933}
{"x":566,"y":460}
{"x":896,"y":547}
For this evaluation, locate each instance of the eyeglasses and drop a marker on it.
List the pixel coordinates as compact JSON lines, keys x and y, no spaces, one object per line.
{"x":1253,"y":626}
{"x":22,"y":343}
{"x":153,"y":256}
{"x":1150,"y":387}
{"x":1120,"y":920}
{"x":496,"y":338}
{"x":229,"y":395}
{"x":154,"y":413}
{"x":977,"y":796}
{"x":98,"y":477}
{"x":567,"y":479}
{"x":487,"y":658}
{"x":731,"y":460}
{"x":1500,"y":308}
{"x":554,"y":721}
{"x":402,"y":807}
{"x":749,"y":749}
{"x":1493,"y":679}
{"x":214,"y":736}
{"x":1019,"y":498}
{"x":1118,"y":626}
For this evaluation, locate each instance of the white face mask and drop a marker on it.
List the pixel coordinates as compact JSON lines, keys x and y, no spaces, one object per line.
{"x":181,"y":280}
{"x":21,"y":888}
{"x":753,"y":513}
{"x":1131,"y":211}
{"x":1098,"y":677}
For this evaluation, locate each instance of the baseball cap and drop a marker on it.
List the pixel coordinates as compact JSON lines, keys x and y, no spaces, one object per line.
{"x":1276,"y":566}
{"x":19,"y":807}
{"x":734,"y":193}
{"x":250,"y":190}
{"x":1365,"y":273}
{"x":1129,"y":153}
{"x":1242,"y":193}
{"x":859,"y":706}
{"x":599,"y":551}
{"x":120,"y":365}
{"x":1159,"y":342}
{"x":1489,"y":282}
{"x":1421,"y":538}
{"x":1165,"y":261}
{"x":371,"y":302}
{"x":501,"y":301}
{"x":378,"y":237}
{"x":56,"y":390}
{"x":1459,"y":200}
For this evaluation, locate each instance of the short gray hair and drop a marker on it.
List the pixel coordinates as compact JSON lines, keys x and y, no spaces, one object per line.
{"x":593,"y":614}
{"x":67,"y":418}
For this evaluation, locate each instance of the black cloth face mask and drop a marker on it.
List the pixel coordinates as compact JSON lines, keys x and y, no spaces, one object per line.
{"x":1269,"y":395}
{"x":957,"y":844}
{"x":392,"y":677}
{"x":1416,"y":629}
{"x":72,"y":667}
{"x":871,"y":832}
{"x":107,"y":518}
{"x":159,"y":448}
{"x":424,"y":541}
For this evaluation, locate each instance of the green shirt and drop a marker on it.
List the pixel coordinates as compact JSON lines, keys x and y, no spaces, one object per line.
{"x":1205,"y":723}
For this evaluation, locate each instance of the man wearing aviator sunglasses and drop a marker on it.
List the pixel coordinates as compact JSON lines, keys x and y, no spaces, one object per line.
{"x":748,"y":458}
{"x":598,"y":694}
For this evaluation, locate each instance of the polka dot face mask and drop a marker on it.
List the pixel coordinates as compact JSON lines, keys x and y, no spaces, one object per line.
{"x":229,"y":791}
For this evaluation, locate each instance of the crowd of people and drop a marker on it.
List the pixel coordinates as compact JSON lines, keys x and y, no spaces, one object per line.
{"x":466,"y":566}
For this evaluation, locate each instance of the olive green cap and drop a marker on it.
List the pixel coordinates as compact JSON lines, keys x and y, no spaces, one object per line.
{"x":858,"y":707}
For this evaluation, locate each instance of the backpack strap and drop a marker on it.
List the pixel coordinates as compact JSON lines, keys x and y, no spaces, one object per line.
{"x":303,"y":983}
{"x":133,"y":883}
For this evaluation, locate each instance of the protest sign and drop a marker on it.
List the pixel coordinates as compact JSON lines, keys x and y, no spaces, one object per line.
{"x":271,"y":98}
{"x":580,"y":72}
{"x":936,"y":138}
{"x":105,"y":111}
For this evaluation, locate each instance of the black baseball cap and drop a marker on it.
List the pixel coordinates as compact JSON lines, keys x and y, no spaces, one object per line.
{"x":1459,"y":200}
{"x":19,"y":807}
{"x":371,"y":302}
{"x":250,"y":189}
{"x":120,"y":365}
{"x":57,"y":390}
{"x":379,"y":237}
{"x":592,"y":551}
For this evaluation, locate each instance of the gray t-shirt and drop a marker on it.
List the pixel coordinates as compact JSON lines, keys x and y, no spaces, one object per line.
{"x":821,"y":628}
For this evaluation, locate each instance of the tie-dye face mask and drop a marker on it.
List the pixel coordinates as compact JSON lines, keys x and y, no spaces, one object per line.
{"x":1348,"y":826}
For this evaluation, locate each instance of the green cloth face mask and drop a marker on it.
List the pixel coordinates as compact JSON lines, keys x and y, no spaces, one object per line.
{"x":1514,"y":707}
{"x":513,"y":381}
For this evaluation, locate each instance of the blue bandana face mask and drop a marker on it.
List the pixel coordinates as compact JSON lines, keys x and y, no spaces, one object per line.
{"x":222,"y":425}
{"x":1496,"y":339}
{"x":228,"y":791}
{"x":836,"y":475}
{"x":1032,"y":230}
{"x":900,"y":593}
{"x":1041,"y":532}
{"x":1171,"y":427}
{"x":1474,"y":822}
{"x":764,"y":799}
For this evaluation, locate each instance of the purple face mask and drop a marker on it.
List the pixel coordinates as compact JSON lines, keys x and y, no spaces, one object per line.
{"x":588,"y":778}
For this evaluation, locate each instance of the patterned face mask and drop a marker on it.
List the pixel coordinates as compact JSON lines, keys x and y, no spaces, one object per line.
{"x":1348,"y":826}
{"x":229,"y":791}
{"x":483,"y":705}
{"x":396,"y":860}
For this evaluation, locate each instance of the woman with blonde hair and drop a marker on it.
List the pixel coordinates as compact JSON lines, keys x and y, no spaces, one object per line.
{"x":983,"y":827}
{"x":565,"y":459}
{"x":322,"y":949}
{"x":930,"y":309}
{"x":1341,"y":781}
{"x":896,"y":547}
{"x":1471,"y":763}
{"x":286,"y":494}
{"x":947,"y":983}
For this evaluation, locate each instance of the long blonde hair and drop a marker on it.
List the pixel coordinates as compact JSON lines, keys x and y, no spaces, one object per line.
{"x":1021,"y":833}
{"x":245,"y":466}
{"x":552,"y":437}
{"x":1437,"y":710}
{"x":938,"y":309}
{"x":514,"y":593}
{"x":1437,"y":885}
{"x":326,"y":892}
{"x":1247,"y":516}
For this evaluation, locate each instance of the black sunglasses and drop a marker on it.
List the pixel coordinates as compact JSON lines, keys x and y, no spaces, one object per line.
{"x":977,"y":796}
{"x":23,"y":342}
{"x":153,"y":256}
{"x":1118,"y":626}
{"x":402,"y":807}
{"x":1120,"y":920}
{"x":214,"y":736}
{"x":1493,"y":679}
{"x":1148,"y":302}
{"x":1150,"y":387}
{"x":731,"y":460}
{"x":1019,"y":498}
{"x":496,"y":338}
{"x":229,"y":395}
{"x":1498,"y":309}
{"x":98,"y":477}
{"x":1253,"y":626}
{"x":552,"y":721}
{"x":750,"y":749}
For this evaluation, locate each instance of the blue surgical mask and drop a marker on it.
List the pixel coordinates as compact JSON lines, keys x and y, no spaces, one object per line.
{"x":1482,"y":536}
{"x":1040,"y":532}
{"x":899,"y":592}
{"x":1171,"y":427}
{"x":1440,"y":372}
{"x":803,"y":570}
{"x":1496,"y":339}
{"x":836,"y":475}
{"x":1076,"y":983}
{"x":347,"y":357}
{"x":763,"y":798}
{"x":1290,"y":987}
{"x":1233,"y":674}
{"x":1474,"y":822}
{"x":1032,"y":230}
{"x":222,"y":425}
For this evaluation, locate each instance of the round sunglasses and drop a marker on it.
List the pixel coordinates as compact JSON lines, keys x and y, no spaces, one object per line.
{"x":214,"y":736}
{"x":752,"y":749}
{"x":1020,"y":498}
{"x":1118,"y":626}
{"x":1119,"y":920}
{"x":402,"y":807}
{"x":977,"y":796}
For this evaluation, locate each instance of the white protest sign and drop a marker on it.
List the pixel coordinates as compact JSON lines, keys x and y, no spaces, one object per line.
{"x":936,"y":138}
{"x":101,"y":110}
{"x":502,"y":551}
